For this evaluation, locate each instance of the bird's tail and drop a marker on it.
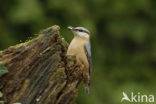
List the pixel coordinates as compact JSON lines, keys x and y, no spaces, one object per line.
{"x":87,"y":89}
{"x":87,"y":84}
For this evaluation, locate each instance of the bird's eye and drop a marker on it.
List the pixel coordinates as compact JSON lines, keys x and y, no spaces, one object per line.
{"x":80,"y":30}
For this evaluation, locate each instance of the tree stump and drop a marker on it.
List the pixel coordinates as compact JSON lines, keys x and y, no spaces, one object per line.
{"x":40,"y":72}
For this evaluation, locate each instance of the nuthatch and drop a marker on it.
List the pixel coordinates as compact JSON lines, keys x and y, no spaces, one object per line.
{"x":81,"y":48}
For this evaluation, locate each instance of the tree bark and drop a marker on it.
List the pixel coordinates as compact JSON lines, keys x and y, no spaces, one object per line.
{"x":40,"y":72}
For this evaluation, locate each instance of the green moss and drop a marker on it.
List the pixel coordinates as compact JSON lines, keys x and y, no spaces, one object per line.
{"x":1,"y":94}
{"x":5,"y":62}
{"x":61,"y":73}
{"x":25,"y":43}
{"x":64,"y":44}
{"x":1,"y":52}
{"x":1,"y":102}
{"x":3,"y":69}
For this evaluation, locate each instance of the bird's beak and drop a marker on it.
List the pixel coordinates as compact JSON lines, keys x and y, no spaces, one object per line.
{"x":70,"y":27}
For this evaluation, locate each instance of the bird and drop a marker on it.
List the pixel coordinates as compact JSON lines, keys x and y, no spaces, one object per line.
{"x":81,"y":48}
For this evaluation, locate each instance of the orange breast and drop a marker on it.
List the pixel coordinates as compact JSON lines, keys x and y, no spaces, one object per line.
{"x":77,"y":49}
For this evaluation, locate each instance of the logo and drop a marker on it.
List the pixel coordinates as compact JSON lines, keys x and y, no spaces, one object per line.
{"x":137,"y":98}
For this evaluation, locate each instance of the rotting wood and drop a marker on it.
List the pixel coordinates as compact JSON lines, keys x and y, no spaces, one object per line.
{"x":40,"y":72}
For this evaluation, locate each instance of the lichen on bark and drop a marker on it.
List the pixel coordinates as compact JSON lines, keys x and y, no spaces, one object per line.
{"x":40,"y":72}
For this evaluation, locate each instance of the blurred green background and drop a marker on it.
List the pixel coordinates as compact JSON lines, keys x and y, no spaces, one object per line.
{"x":123,"y":37}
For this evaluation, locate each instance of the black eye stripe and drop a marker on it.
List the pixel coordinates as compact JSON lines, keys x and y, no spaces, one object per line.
{"x":82,"y":31}
{"x":86,"y":32}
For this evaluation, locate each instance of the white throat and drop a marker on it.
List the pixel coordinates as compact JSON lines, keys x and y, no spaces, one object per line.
{"x":82,"y":34}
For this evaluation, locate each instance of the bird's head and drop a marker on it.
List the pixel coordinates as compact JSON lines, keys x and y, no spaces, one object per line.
{"x":80,"y":31}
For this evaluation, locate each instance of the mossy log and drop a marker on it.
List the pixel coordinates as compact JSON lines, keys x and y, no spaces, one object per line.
{"x":40,"y":72}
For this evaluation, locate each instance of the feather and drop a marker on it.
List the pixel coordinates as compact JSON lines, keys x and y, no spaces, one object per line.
{"x":88,"y":53}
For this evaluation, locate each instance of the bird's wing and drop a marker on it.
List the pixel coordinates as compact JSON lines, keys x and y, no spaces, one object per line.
{"x":87,"y":47}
